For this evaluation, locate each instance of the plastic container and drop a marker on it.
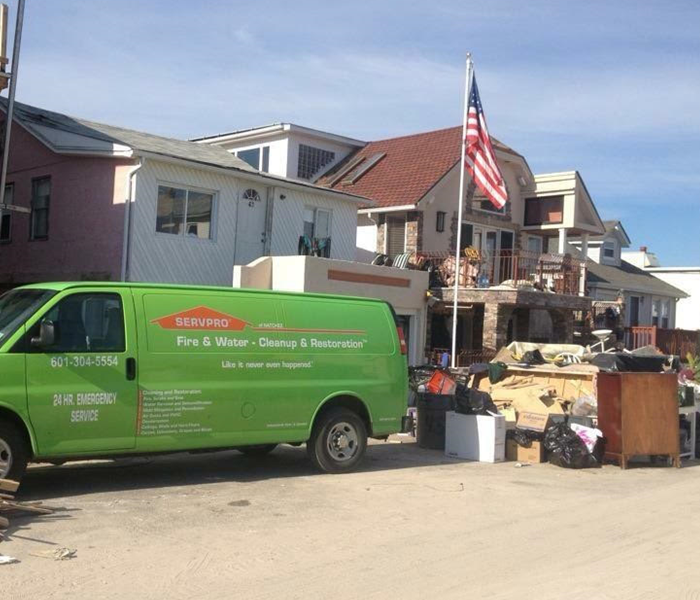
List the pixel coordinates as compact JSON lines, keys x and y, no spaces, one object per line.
{"x":430,"y":429}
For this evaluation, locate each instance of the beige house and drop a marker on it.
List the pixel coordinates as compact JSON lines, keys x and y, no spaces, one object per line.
{"x":520,"y":282}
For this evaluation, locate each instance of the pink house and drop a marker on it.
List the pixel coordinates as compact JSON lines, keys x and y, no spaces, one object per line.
{"x":75,"y":230}
{"x":108,"y":203}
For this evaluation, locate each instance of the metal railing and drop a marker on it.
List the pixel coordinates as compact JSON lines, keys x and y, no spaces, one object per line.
{"x":558,"y":273}
{"x":465,"y":358}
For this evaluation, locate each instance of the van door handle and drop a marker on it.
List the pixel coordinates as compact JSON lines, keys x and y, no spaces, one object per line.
{"x":131,"y":368}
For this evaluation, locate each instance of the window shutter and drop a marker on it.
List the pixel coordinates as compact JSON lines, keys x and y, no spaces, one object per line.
{"x":395,"y":235}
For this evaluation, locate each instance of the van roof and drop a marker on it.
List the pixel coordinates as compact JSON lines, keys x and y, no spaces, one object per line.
{"x":59,"y":286}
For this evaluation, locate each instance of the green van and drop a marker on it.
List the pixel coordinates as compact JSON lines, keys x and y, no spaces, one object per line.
{"x":107,"y":369}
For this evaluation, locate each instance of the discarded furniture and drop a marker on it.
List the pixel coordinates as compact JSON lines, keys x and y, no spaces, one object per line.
{"x":638,"y":415}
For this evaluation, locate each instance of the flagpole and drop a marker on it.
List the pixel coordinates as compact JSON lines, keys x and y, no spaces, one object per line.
{"x":458,"y":252}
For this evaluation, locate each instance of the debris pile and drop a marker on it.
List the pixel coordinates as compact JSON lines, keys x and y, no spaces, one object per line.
{"x":9,"y":505}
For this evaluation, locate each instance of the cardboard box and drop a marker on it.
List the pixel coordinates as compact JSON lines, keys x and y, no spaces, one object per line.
{"x":533,"y":421}
{"x":533,"y":454}
{"x":475,"y":437}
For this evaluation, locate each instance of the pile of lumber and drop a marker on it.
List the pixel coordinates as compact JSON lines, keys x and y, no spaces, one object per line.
{"x":9,"y":505}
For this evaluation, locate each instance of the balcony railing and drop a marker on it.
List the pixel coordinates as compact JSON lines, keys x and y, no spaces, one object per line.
{"x":558,"y":273}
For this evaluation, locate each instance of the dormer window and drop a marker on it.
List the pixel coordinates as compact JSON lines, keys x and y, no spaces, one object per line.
{"x":258,"y":158}
{"x":609,"y":249}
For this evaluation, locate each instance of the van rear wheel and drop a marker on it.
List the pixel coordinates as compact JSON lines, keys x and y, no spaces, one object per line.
{"x":338,"y":441}
{"x":13,"y":452}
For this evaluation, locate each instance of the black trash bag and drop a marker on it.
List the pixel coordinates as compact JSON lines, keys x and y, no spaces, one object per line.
{"x":469,"y":401}
{"x":566,"y":449}
{"x":533,"y":357}
{"x":524,"y":437}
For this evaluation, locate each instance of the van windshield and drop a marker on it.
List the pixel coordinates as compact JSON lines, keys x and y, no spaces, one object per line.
{"x":17,"y":306}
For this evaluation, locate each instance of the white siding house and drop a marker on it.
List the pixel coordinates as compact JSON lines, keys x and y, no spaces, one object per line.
{"x":251,"y":216}
{"x":285,"y":149}
{"x":647,"y":299}
{"x":185,"y":212}
{"x":686,"y":279}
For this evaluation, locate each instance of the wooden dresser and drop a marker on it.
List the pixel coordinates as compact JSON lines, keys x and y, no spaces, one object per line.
{"x":638,"y":414}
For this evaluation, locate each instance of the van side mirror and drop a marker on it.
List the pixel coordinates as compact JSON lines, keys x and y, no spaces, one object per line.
{"x":46,"y":336}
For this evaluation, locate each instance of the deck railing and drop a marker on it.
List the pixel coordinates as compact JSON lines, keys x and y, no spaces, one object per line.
{"x":559,"y":273}
{"x":670,"y":341}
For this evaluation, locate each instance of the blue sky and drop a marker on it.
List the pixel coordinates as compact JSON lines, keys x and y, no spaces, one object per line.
{"x":611,"y":89}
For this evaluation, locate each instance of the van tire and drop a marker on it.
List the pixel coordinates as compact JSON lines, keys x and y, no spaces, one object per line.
{"x":257,"y":450}
{"x":338,"y":441}
{"x":13,"y":450}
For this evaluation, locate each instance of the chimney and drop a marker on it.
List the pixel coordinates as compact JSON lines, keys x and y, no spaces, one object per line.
{"x":643,"y":248}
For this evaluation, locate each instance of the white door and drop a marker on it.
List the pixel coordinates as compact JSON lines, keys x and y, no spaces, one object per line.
{"x":250,"y":228}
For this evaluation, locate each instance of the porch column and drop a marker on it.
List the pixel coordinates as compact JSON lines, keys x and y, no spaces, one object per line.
{"x":562,"y":240}
{"x":584,"y":269}
{"x":495,"y":331}
{"x":562,"y":325}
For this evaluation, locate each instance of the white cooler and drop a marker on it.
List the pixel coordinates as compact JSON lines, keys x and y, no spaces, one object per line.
{"x":475,"y":437}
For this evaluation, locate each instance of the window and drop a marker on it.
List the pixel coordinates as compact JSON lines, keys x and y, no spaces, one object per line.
{"x":655,"y":312}
{"x":440,"y":222}
{"x":317,"y":223}
{"x":39,"y":218}
{"x":609,"y":249}
{"x":18,"y":305}
{"x":184,"y":212}
{"x":665,"y":313}
{"x":6,"y":216}
{"x":85,"y":323}
{"x":251,"y":196}
{"x":534,"y":244}
{"x":539,"y":211}
{"x":258,"y":158}
{"x":467,"y":236}
{"x":481,"y":202}
{"x":312,"y":160}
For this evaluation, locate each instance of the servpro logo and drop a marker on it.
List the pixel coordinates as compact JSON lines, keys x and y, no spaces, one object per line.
{"x":207,"y":319}
{"x":201,"y":318}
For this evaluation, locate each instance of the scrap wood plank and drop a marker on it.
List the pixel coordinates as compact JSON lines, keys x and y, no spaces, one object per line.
{"x":17,"y":506}
{"x":7,"y":485}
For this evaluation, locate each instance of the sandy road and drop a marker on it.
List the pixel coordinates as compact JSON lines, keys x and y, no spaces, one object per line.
{"x":411,"y":524}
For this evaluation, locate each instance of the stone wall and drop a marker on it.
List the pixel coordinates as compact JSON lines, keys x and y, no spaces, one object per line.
{"x":381,"y":233}
{"x":414,"y":231}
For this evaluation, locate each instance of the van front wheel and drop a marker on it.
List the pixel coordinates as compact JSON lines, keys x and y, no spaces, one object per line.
{"x":13,"y":452}
{"x":338,"y":441}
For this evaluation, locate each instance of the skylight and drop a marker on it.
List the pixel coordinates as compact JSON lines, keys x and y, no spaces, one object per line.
{"x":364,"y":167}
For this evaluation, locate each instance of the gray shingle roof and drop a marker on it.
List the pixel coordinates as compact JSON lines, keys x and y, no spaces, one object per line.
{"x":629,"y":277}
{"x":609,"y":226}
{"x":30,"y":116}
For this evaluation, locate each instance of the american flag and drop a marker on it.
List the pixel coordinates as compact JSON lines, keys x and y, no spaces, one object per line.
{"x":479,"y":157}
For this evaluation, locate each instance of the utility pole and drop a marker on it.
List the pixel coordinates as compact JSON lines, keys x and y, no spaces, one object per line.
{"x":11,"y":96}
